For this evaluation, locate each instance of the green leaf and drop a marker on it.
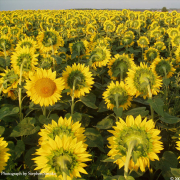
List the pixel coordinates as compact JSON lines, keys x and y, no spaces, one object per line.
{"x":169,"y":119}
{"x":76,"y":117}
{"x":74,"y":54}
{"x":94,"y":138}
{"x":7,"y":111}
{"x":113,"y":177}
{"x":44,"y":120}
{"x":25,"y":127}
{"x":102,"y":106}
{"x":118,"y":111}
{"x":166,"y":81}
{"x":105,"y":124}
{"x":168,"y":161}
{"x":19,"y":148}
{"x":157,"y":105}
{"x":89,"y":100}
{"x":137,"y":111}
{"x":2,"y":62}
{"x":57,"y":58}
{"x":85,"y":120}
{"x":2,"y":129}
{"x":175,"y":172}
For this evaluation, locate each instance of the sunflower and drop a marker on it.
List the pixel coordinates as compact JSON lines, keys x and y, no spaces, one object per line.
{"x":156,"y":34}
{"x":119,"y":65}
{"x":178,"y":145}
{"x":4,"y":156}
{"x":145,"y":139}
{"x":43,"y":87}
{"x":177,"y":54}
{"x":143,"y":42}
{"x":117,"y":95}
{"x":60,"y":156}
{"x":177,"y":21}
{"x":135,"y":24}
{"x":79,"y":76}
{"x":175,"y":40}
{"x":90,"y":29}
{"x":72,"y":33}
{"x":5,"y":45}
{"x":62,"y":127}
{"x":109,"y":26}
{"x":26,"y":56}
{"x":139,"y":78}
{"x":100,"y":56}
{"x":49,"y":40}
{"x":159,"y":45}
{"x":27,"y":42}
{"x":120,"y":29}
{"x":172,"y":32}
{"x":9,"y":81}
{"x":162,"y":67}
{"x":127,"y":41}
{"x":151,"y":54}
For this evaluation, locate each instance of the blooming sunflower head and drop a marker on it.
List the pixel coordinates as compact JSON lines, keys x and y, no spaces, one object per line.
{"x":151,"y":54}
{"x":4,"y":156}
{"x":172,"y":32}
{"x":9,"y":80}
{"x":78,"y":78}
{"x":135,"y":24}
{"x":43,"y":87}
{"x":119,"y":65}
{"x":120,"y":29}
{"x":175,"y":40}
{"x":90,"y":29}
{"x":140,"y":78}
{"x":49,"y":40}
{"x":127,"y":41}
{"x":159,"y":45}
{"x":163,"y":67}
{"x":62,"y":155}
{"x":143,"y":42}
{"x":109,"y":26}
{"x":62,"y":127}
{"x":27,"y":42}
{"x":24,"y":56}
{"x":100,"y":56}
{"x":146,"y":145}
{"x":117,"y":95}
{"x":156,"y":34}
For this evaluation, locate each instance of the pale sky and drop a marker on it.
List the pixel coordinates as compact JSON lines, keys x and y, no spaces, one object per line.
{"x":95,"y":4}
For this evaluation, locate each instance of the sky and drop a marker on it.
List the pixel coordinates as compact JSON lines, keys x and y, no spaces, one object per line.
{"x":94,"y":4}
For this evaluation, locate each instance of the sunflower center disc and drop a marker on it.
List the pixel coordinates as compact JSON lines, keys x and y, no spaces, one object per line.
{"x":45,"y":87}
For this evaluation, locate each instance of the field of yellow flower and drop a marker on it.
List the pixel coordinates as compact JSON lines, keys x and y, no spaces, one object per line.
{"x":89,"y":94}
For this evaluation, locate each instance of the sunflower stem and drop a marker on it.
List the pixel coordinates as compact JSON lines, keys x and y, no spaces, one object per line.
{"x":150,"y":97}
{"x":129,"y":154}
{"x":121,"y":76}
{"x":54,"y":67}
{"x":19,"y":93}
{"x":72,"y":97}
{"x":166,"y":87}
{"x":44,"y":111}
{"x":117,"y":104}
{"x":5,"y":55}
{"x":142,"y":53}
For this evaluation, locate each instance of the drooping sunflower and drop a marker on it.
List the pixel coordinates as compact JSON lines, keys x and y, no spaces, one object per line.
{"x":172,"y":32}
{"x":27,"y":42}
{"x":62,"y":127}
{"x":49,"y":40}
{"x":163,"y":67}
{"x":117,"y":95}
{"x":5,"y":45}
{"x":119,"y":65}
{"x":120,"y":29}
{"x":100,"y":56}
{"x":4,"y":156}
{"x":127,"y":41}
{"x":135,"y":24}
{"x":26,"y":56}
{"x":156,"y":34}
{"x":145,"y":138}
{"x":9,"y":81}
{"x":43,"y":87}
{"x":175,"y":41}
{"x":139,"y":78}
{"x":109,"y":26}
{"x":151,"y":54}
{"x":79,"y":75}
{"x":62,"y":154}
{"x":90,"y":29}
{"x":159,"y":45}
{"x":143,"y":42}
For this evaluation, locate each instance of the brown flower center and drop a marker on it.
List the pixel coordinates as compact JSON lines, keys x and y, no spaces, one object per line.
{"x":45,"y":87}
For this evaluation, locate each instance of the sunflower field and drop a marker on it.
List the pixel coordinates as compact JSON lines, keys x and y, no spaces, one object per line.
{"x":89,"y":95}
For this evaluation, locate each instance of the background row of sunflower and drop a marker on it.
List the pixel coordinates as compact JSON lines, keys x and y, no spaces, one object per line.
{"x":86,"y":66}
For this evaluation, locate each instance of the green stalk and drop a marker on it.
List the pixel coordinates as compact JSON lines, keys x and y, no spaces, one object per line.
{"x":117,"y":104}
{"x":166,"y":89}
{"x":129,"y":154}
{"x":5,"y":54}
{"x":44,"y":111}
{"x":72,"y":97}
{"x":150,"y":97}
{"x":121,"y":74}
{"x":19,"y":93}
{"x":54,"y":67}
{"x":142,"y":53}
